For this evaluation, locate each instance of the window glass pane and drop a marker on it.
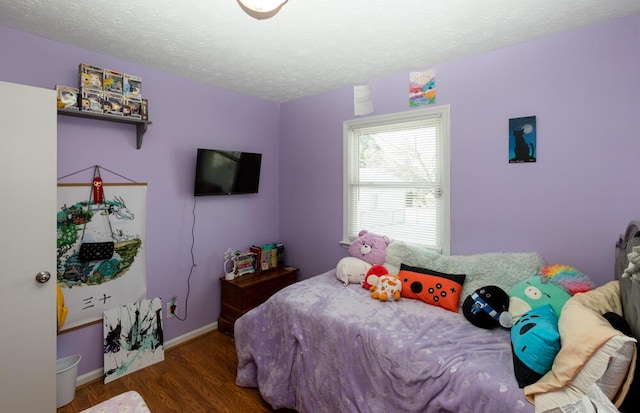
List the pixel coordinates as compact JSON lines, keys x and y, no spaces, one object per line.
{"x":393,"y":180}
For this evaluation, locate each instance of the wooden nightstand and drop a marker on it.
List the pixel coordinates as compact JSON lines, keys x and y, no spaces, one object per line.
{"x":249,"y":291}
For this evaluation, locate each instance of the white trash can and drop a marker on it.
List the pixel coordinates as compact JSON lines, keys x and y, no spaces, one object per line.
{"x":66,"y":375}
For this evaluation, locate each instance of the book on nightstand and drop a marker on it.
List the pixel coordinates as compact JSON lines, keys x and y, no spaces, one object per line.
{"x":280,"y":253}
{"x":245,"y":262}
{"x":258,"y":252}
{"x":269,"y":256}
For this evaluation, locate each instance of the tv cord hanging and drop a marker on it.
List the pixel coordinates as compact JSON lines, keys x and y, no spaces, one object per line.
{"x":193,"y":264}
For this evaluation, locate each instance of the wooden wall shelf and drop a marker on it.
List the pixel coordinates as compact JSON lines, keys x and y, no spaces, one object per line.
{"x":141,"y":125}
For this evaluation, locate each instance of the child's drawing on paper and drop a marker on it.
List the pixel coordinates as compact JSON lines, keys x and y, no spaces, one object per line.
{"x":422,"y":88}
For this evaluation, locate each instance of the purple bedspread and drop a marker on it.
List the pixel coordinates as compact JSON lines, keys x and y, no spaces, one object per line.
{"x":318,"y":346}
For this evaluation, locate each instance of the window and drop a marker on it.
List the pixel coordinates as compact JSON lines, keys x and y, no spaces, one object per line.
{"x":396,"y":177}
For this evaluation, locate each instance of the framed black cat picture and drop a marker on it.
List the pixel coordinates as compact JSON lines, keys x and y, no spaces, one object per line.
{"x":522,"y":139}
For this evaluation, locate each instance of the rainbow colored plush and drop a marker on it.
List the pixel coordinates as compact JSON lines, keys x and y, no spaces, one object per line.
{"x":569,"y":278}
{"x":554,"y":285}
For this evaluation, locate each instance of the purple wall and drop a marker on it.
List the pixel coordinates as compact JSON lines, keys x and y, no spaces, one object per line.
{"x":185,"y":115}
{"x":569,"y":206}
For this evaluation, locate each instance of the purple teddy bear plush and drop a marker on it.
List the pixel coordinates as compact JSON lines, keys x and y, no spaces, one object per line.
{"x":370,"y":247}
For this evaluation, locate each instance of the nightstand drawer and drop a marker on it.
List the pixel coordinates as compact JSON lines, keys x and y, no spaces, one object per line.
{"x":253,"y":297}
{"x":249,"y":291}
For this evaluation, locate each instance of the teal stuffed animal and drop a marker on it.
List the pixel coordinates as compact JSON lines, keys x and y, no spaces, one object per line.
{"x":553,"y":285}
{"x":535,"y":341}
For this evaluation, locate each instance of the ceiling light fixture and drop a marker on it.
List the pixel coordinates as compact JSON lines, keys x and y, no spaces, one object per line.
{"x":261,"y":9}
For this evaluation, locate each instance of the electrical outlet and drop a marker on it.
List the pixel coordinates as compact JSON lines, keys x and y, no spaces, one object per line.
{"x":172,"y":306}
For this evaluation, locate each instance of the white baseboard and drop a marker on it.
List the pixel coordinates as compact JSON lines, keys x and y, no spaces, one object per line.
{"x":99,"y":373}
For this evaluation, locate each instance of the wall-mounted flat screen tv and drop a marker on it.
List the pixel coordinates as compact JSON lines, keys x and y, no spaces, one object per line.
{"x":221,"y":172}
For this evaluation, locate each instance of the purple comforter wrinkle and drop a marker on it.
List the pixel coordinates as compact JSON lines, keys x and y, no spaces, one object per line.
{"x":318,"y":346}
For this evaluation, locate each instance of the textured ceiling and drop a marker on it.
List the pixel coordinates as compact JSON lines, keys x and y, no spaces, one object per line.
{"x":309,"y":47}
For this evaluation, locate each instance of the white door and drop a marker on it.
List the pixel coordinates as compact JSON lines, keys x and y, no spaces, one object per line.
{"x":28,"y":149}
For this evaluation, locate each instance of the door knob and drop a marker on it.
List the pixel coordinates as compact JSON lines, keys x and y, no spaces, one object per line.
{"x":43,"y":276}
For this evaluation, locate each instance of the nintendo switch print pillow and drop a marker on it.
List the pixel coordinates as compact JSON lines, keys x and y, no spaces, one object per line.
{"x":432,"y":287}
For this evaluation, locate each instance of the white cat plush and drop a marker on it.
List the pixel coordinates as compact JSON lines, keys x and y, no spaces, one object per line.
{"x":351,"y":270}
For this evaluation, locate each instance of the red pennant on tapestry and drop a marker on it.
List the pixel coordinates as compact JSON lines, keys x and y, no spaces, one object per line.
{"x":98,"y":192}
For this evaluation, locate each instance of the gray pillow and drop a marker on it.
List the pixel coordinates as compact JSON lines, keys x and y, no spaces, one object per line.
{"x":503,"y":269}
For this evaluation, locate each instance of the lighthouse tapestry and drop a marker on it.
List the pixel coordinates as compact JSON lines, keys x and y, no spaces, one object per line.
{"x":92,"y":287}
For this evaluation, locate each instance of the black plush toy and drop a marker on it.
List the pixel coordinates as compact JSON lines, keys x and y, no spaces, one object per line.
{"x":484,"y":306}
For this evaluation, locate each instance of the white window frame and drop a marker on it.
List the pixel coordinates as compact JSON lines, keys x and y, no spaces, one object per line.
{"x":440,"y":112}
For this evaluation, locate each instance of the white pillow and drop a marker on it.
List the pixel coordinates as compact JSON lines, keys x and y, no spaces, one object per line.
{"x":607,"y":368}
{"x":618,"y":355}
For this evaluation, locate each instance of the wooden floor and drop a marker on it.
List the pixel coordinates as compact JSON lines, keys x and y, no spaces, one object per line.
{"x":197,"y":376}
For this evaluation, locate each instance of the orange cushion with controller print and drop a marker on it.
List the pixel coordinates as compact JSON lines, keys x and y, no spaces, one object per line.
{"x":432,"y":287}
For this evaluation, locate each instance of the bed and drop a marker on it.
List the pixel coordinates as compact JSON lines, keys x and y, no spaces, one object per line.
{"x":320,"y":346}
